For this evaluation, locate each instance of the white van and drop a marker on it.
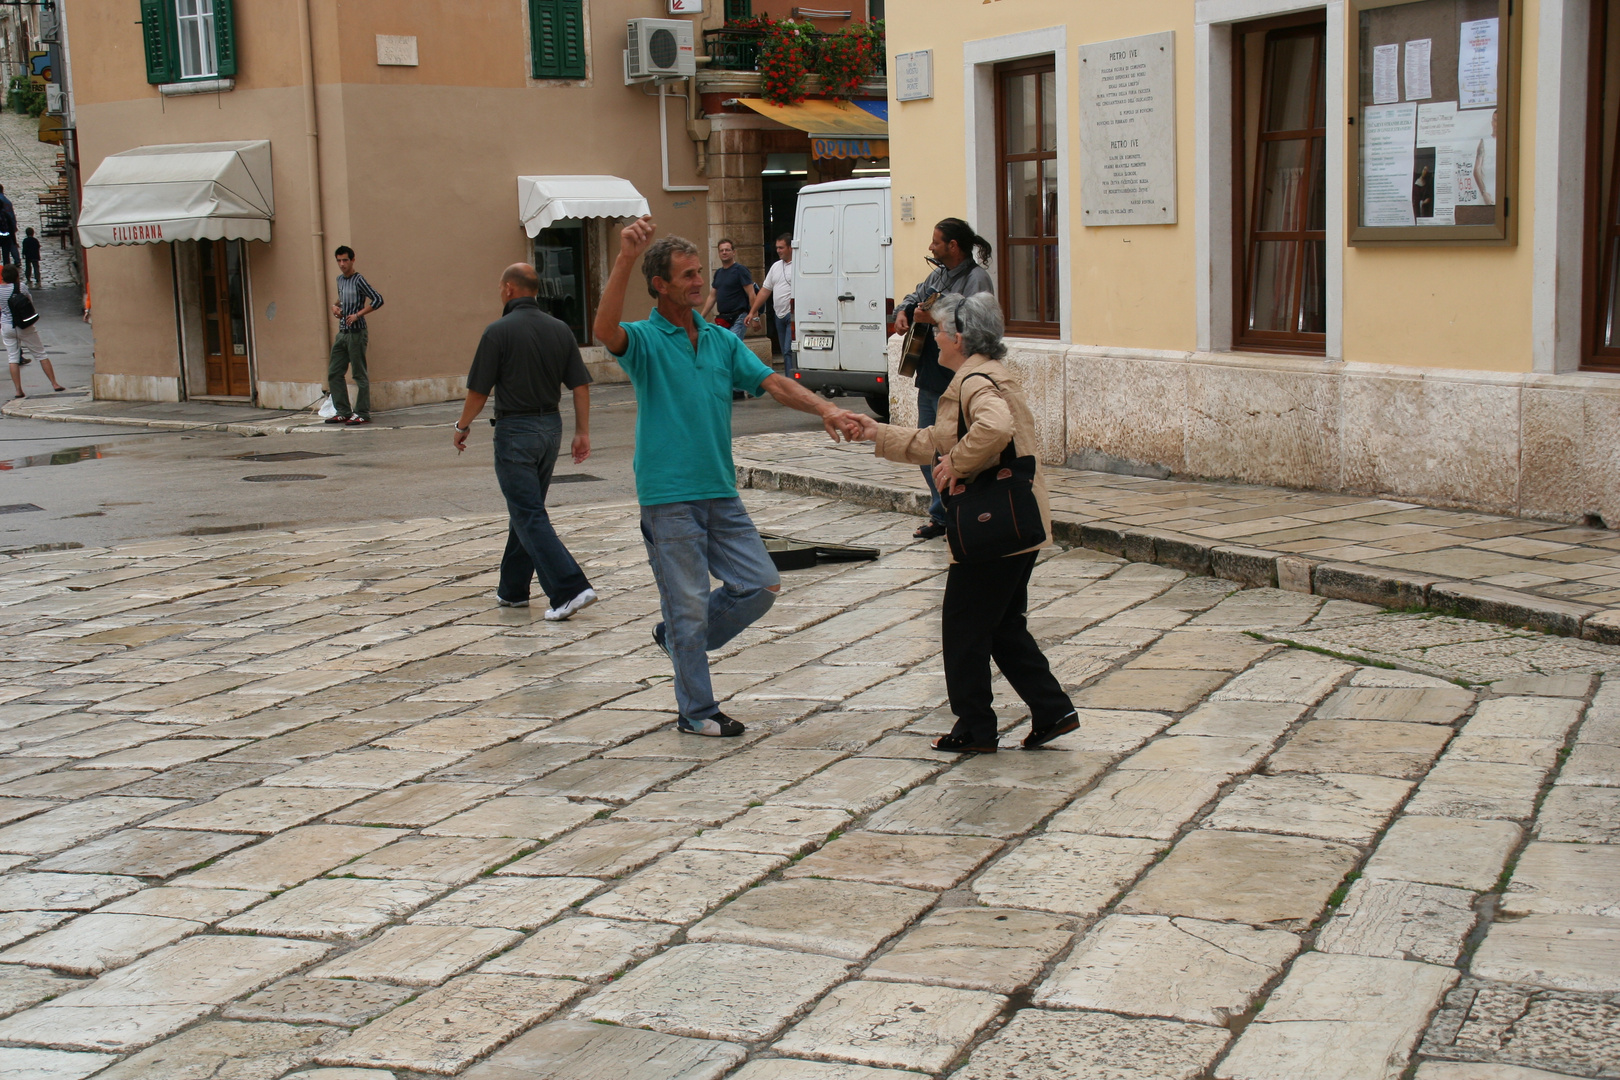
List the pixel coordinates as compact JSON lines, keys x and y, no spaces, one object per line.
{"x":843,"y":289}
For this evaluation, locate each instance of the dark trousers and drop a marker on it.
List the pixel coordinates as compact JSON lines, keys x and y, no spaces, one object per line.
{"x":983,"y":621}
{"x":349,"y":355}
{"x":8,"y":250}
{"x":927,"y":414}
{"x":526,"y":450}
{"x":31,"y":271}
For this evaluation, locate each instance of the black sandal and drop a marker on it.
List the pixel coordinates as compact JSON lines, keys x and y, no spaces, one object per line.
{"x":931,"y":531}
{"x":960,"y":744}
{"x":1039,"y":737}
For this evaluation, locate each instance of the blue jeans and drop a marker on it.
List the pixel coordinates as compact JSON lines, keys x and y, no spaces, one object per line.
{"x":739,"y":323}
{"x":927,"y":413}
{"x":784,"y":331}
{"x":687,"y":543}
{"x":525,"y":454}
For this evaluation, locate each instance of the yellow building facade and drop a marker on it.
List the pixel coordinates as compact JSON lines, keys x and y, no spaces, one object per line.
{"x":1270,"y":334}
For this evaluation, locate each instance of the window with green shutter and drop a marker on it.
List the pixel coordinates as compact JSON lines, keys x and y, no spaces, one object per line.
{"x":188,"y":39}
{"x":557,"y":39}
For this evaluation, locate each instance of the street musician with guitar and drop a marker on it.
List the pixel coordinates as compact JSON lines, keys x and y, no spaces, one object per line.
{"x":959,"y":256}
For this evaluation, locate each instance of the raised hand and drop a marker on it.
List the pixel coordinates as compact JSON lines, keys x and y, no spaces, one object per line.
{"x":636,"y":237}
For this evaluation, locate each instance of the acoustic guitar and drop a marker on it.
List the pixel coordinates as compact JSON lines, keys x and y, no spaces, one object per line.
{"x":917,"y":337}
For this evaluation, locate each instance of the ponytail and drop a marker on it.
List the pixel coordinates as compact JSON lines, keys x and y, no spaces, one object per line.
{"x":971,"y":243}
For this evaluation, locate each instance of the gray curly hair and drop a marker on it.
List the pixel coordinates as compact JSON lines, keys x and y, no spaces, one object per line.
{"x":656,"y":262}
{"x":974,"y":321}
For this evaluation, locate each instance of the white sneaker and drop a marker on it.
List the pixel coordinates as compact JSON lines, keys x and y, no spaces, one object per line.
{"x":502,"y":601}
{"x":579,"y":603}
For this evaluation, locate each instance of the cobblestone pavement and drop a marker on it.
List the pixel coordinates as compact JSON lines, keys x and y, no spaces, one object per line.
{"x":308,"y":804}
{"x":27,"y":168}
{"x":1480,"y":558}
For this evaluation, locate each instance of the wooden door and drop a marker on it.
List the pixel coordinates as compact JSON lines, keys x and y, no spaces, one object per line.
{"x":224,"y":308}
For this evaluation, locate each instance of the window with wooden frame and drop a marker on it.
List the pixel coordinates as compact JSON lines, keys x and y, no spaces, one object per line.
{"x":1602,"y":277}
{"x":1281,"y":253}
{"x":557,"y":39}
{"x":188,"y":39}
{"x":1027,"y":186}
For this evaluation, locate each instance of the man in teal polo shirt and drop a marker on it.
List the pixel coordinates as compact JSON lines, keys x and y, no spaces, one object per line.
{"x":684,"y":371}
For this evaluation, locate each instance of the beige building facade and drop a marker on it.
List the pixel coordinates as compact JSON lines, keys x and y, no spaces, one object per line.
{"x":397,"y":127}
{"x":1305,"y":312}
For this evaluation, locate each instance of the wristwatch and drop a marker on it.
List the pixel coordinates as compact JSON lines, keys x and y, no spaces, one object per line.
{"x":461,"y":429}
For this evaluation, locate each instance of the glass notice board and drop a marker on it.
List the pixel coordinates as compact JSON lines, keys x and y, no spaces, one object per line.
{"x":1434,"y":122}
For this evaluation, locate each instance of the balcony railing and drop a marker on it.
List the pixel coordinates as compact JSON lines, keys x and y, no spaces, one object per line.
{"x":735,"y":49}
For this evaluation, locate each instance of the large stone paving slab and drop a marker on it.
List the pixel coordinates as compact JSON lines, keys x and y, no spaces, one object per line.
{"x":1477,"y":789}
{"x":736,"y":992}
{"x":226,"y":1050}
{"x":592,"y":950}
{"x":414,"y":805}
{"x":617,"y":781}
{"x":1065,"y":873}
{"x":1154,"y":690}
{"x":895,"y":1025}
{"x":516,"y":903}
{"x":136,"y":1006}
{"x":1140,"y":803}
{"x":1456,"y":852}
{"x":846,"y":919}
{"x":607,"y":849}
{"x":145,"y":852}
{"x":1183,"y":969}
{"x":773,"y":830}
{"x":289,"y":858}
{"x":27,"y":1063}
{"x":62,"y":892}
{"x":1293,"y":677}
{"x":858,"y":785}
{"x":452,"y":860}
{"x":1565,"y":879}
{"x":683,"y":886}
{"x":1279,"y":881}
{"x":419,"y":955}
{"x":1041,"y":1045}
{"x":448,"y":1028}
{"x":1339,"y":1016}
{"x":21,"y":987}
{"x":257,"y":810}
{"x":300,"y":1000}
{"x":1589,"y":815}
{"x":1052,"y":770}
{"x":1382,"y":748}
{"x":1332,"y":806}
{"x":94,"y":943}
{"x":1401,"y":920}
{"x":1000,"y":950}
{"x":1425,"y":705}
{"x":570,"y":1050}
{"x":68,"y":825}
{"x":336,"y":909}
{"x":968,"y":811}
{"x":917,"y":862}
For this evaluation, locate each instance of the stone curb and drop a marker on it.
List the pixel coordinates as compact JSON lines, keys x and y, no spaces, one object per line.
{"x":1248,"y":566}
{"x":258,"y":427}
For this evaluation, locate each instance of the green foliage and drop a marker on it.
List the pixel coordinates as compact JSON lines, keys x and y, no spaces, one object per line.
{"x":24,"y":97}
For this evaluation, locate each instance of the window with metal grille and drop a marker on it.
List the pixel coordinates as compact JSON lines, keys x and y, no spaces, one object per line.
{"x":557,"y":39}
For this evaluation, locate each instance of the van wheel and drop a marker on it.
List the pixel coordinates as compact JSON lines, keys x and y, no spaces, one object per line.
{"x":879,"y":404}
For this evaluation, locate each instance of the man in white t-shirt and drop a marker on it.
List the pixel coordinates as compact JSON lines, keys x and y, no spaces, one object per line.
{"x":779,"y":287}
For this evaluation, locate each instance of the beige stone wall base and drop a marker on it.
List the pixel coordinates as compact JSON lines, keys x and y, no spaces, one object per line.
{"x":105,"y":387}
{"x":1544,"y":446}
{"x":396,"y":394}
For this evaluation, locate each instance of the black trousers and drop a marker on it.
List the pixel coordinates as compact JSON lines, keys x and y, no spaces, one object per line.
{"x":983,"y":621}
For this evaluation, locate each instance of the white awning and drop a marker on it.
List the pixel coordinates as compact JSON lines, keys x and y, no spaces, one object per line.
{"x":544,"y":199}
{"x":184,"y":191}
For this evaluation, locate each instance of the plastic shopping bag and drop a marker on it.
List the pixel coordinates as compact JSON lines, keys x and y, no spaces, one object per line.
{"x":327,"y":409}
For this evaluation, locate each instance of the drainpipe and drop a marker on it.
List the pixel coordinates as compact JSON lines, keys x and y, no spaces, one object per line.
{"x":312,"y":150}
{"x":663,"y":139}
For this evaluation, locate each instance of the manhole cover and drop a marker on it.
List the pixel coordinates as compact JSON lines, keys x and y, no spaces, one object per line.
{"x":268,"y":478}
{"x":19,"y":508}
{"x":576,"y":478}
{"x":287,"y":455}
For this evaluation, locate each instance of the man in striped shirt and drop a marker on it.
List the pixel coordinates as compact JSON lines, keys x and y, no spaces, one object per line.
{"x":356,"y":300}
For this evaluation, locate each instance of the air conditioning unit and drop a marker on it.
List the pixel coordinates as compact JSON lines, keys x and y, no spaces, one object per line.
{"x":659,"y":49}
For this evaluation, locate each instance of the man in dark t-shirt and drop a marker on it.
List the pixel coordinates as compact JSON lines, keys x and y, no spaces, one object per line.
{"x":732,"y":290}
{"x":526,"y":357}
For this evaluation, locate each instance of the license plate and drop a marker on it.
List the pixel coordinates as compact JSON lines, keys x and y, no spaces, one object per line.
{"x":817,"y":341}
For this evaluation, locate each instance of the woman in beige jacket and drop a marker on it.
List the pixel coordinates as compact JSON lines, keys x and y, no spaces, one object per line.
{"x":985,"y":602}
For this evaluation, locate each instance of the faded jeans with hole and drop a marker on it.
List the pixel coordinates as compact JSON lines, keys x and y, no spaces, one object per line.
{"x":687,"y":544}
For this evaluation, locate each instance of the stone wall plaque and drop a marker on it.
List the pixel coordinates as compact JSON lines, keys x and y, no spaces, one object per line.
{"x":914,"y":75}
{"x":1128,"y":131}
{"x":394,"y":50}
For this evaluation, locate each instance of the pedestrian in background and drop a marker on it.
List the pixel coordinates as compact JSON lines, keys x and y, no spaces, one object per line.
{"x":30,"y":254}
{"x":17,"y":338}
{"x":356,"y":300}
{"x":684,"y":371}
{"x":732,"y":290}
{"x":982,"y":410}
{"x":952,"y":252}
{"x":8,"y":230}
{"x":525,"y":357}
{"x":778,"y":289}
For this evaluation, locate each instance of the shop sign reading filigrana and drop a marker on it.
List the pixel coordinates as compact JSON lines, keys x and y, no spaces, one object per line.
{"x":1128,"y":131}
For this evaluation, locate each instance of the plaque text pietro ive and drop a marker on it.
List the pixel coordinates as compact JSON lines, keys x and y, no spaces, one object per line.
{"x":1128,"y":131}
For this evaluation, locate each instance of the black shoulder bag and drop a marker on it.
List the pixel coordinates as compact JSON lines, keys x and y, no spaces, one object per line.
{"x":998,"y":514}
{"x":21,"y":307}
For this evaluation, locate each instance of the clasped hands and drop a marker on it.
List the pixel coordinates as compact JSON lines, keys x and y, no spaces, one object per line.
{"x":849,"y":426}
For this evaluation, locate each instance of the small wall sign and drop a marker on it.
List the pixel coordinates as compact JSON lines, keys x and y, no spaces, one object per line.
{"x":914,"y":75}
{"x":685,"y":7}
{"x":394,"y":50}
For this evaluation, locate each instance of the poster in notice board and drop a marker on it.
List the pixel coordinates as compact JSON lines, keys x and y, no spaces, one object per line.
{"x":1432,"y":122}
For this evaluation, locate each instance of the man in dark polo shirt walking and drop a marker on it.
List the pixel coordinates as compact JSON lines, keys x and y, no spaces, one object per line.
{"x":526,"y":356}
